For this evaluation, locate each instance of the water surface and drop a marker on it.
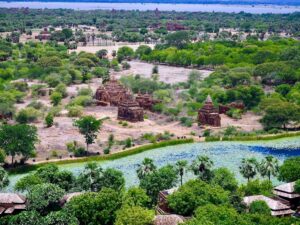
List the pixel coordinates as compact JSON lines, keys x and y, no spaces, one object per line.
{"x":223,"y":154}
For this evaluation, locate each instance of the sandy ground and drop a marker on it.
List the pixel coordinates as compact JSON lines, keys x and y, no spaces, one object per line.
{"x":167,"y":74}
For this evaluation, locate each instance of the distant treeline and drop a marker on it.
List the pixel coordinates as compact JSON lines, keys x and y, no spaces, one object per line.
{"x":238,"y":2}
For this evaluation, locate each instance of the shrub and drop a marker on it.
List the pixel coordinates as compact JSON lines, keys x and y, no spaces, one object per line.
{"x":82,"y":101}
{"x":75,"y":111}
{"x":234,"y":113}
{"x":36,"y":105}
{"x":206,"y":133}
{"x":85,"y":91}
{"x":55,"y":110}
{"x":185,"y":121}
{"x":49,"y":120}
{"x":106,"y":150}
{"x":62,"y":89}
{"x":260,"y":207}
{"x":125,"y":66}
{"x":56,"y":98}
{"x":54,"y":154}
{"x":297,"y":186}
{"x":128,"y":143}
{"x":28,"y":115}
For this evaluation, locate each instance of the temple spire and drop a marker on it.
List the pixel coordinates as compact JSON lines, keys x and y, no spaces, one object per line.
{"x":208,"y":99}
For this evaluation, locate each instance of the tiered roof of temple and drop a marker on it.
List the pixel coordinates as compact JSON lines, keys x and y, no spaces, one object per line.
{"x":11,"y":203}
{"x":208,"y":114}
{"x":111,"y":93}
{"x":130,"y":110}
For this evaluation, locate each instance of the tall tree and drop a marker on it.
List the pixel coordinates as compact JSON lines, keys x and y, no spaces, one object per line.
{"x":147,"y":167}
{"x":269,"y":167}
{"x":202,"y":166}
{"x":18,"y":139}
{"x":248,"y":168}
{"x":88,"y":126}
{"x":181,"y":166}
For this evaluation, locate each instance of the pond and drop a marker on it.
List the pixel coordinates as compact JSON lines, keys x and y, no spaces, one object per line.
{"x":223,"y":154}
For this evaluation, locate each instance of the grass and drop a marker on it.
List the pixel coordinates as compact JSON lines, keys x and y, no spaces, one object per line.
{"x":27,"y":168}
{"x":254,"y":137}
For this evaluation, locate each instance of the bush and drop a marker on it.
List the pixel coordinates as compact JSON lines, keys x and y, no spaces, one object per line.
{"x":55,"y":111}
{"x":297,"y":186}
{"x":75,"y":111}
{"x":85,"y":91}
{"x":83,"y":100}
{"x":56,"y":98}
{"x":28,"y":115}
{"x":186,"y":121}
{"x":36,"y":105}
{"x":125,"y":66}
{"x":62,"y":89}
{"x":234,"y":113}
{"x":49,"y":120}
{"x":128,"y":143}
{"x":259,"y":207}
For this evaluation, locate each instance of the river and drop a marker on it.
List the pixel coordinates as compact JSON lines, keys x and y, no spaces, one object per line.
{"x":256,"y":9}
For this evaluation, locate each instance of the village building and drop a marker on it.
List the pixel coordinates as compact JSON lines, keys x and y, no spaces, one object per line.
{"x":129,"y":109}
{"x":146,"y":101}
{"x":172,"y":219}
{"x":162,"y":206}
{"x":208,"y":114}
{"x":111,"y":93}
{"x":286,"y":193}
{"x":11,"y":203}
{"x":43,"y":35}
{"x":277,"y":208}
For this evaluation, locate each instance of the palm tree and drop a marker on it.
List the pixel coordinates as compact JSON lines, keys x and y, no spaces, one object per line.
{"x":180,"y":167}
{"x":269,"y":167}
{"x":145,"y":168}
{"x":201,"y":167}
{"x":249,"y":168}
{"x":91,"y":174}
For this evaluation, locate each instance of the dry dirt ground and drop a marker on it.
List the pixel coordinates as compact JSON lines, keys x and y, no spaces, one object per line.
{"x":56,"y":137}
{"x":167,"y":74}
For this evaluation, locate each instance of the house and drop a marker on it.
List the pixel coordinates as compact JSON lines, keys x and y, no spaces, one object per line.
{"x":286,"y":192}
{"x":11,"y":203}
{"x":172,"y":219}
{"x":277,"y":207}
{"x":162,"y":206}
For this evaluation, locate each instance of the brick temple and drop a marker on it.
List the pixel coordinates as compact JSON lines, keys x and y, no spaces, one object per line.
{"x":146,"y":101}
{"x":111,"y":93}
{"x":130,"y":110}
{"x":208,"y":114}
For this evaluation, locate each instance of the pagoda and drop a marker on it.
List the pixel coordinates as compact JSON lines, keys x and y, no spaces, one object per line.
{"x":208,"y":114}
{"x":130,"y":110}
{"x":111,"y":93}
{"x":146,"y":101}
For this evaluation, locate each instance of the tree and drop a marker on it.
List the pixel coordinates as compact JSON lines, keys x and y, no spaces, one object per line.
{"x":147,"y":167}
{"x":4,"y":181}
{"x":102,"y":53}
{"x":201,"y":167}
{"x":2,"y":156}
{"x":26,"y":217}
{"x":136,"y":196}
{"x":248,"y":168}
{"x":134,"y":215}
{"x":125,"y":53}
{"x":177,"y":39}
{"x":18,"y":139}
{"x":269,"y":167}
{"x":257,"y":187}
{"x":280,"y":114}
{"x":162,"y":179}
{"x":196,"y":193}
{"x":95,"y":208}
{"x":60,"y":217}
{"x":260,"y":207}
{"x":289,"y":171}
{"x":181,"y":166}
{"x":94,"y":178}
{"x":224,"y":178}
{"x":44,"y":198}
{"x":216,"y":214}
{"x":88,"y":126}
{"x":297,"y":186}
